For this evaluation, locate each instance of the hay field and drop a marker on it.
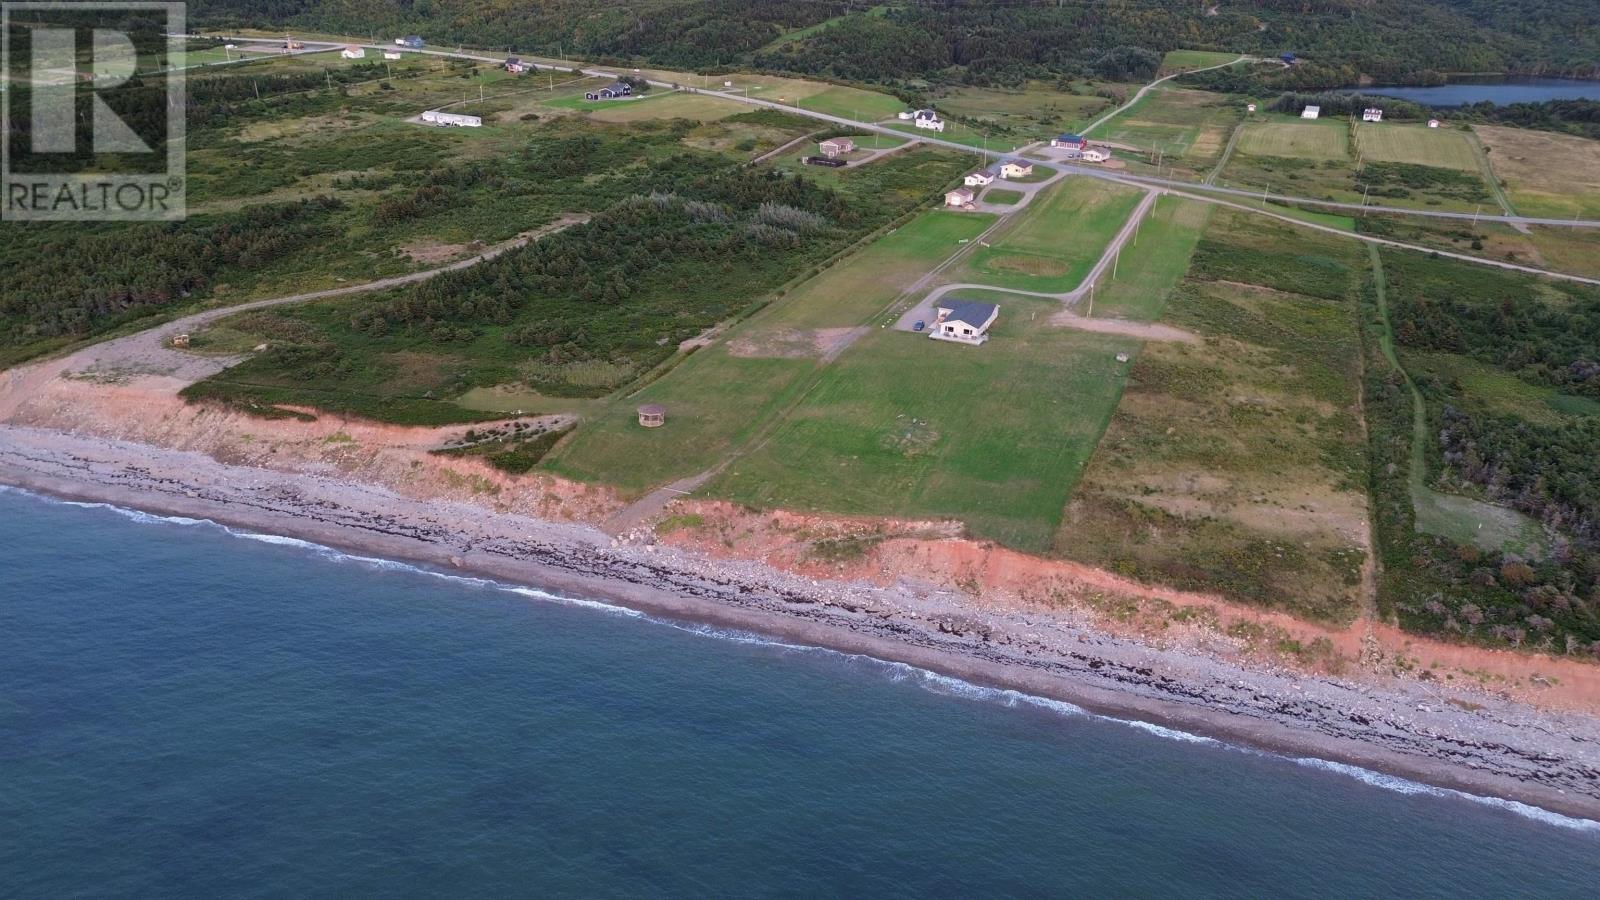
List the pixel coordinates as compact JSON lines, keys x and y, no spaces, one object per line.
{"x":1417,"y":144}
{"x":1295,"y":139}
{"x":1188,"y":127}
{"x":1545,"y":174}
{"x":1038,"y":110}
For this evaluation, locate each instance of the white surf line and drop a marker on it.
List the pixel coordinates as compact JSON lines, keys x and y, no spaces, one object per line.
{"x":926,"y":679}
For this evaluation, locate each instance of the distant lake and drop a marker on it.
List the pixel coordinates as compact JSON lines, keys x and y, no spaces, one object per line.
{"x":1499,"y":91}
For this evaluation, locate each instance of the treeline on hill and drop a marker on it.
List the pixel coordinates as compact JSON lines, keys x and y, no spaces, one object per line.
{"x":211,"y":100}
{"x":1541,"y":462}
{"x":580,"y":312}
{"x":1339,"y":41}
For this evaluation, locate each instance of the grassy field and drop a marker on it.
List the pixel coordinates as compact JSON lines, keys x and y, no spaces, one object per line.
{"x":1417,"y":144}
{"x":1154,"y":261}
{"x":1187,"y":128}
{"x":1574,"y":250}
{"x":1237,"y":464}
{"x":1545,"y":174}
{"x":664,"y":105}
{"x":1036,"y":111}
{"x":1056,"y":240}
{"x":1002,"y":196}
{"x":995,"y":436}
{"x":1179,"y":60}
{"x":720,"y":394}
{"x":1296,"y":138}
{"x":1314,"y":159}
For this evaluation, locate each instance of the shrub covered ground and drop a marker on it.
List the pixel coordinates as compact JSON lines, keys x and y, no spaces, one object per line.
{"x":1237,"y":464}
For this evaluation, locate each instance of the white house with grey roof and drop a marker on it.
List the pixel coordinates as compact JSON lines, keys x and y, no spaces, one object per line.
{"x":964,"y":321}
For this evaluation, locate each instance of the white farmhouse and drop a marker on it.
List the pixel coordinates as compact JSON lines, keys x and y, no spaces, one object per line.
{"x":1372,"y":114}
{"x":964,"y":321}
{"x":1311,"y":112}
{"x":978,"y":178}
{"x":1096,"y":154}
{"x":391,"y":54}
{"x":930,"y":124}
{"x":353,"y":52}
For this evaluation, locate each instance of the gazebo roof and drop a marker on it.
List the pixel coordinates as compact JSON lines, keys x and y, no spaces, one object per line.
{"x":652,"y":409}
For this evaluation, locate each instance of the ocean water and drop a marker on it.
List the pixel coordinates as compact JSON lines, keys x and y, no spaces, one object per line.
{"x":190,"y":712}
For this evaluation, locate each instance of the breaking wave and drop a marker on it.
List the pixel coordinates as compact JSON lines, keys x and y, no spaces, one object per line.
{"x":896,"y":671}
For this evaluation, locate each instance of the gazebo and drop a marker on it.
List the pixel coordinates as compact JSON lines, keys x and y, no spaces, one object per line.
{"x":652,"y":415}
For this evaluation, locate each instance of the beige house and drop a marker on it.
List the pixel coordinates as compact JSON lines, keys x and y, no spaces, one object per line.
{"x":979,"y":178}
{"x":1016,"y":168}
{"x":961,"y":196}
{"x":1096,"y":154}
{"x":353,"y":52}
{"x":836,"y":146}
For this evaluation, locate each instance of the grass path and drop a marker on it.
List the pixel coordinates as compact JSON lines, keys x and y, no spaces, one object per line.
{"x":1488,"y":176}
{"x":1461,"y":519}
{"x":1139,"y":95}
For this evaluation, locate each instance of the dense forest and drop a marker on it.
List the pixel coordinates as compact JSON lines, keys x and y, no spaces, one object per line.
{"x":1549,"y":337}
{"x":1489,"y":438}
{"x":68,"y":281}
{"x":1339,"y":41}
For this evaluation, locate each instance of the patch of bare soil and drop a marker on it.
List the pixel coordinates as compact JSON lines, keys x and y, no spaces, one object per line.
{"x":431,"y":252}
{"x":792,"y":343}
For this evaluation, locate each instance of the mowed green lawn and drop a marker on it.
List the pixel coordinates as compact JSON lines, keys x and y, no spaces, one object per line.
{"x":657,"y":104}
{"x":1154,"y":262}
{"x":996,"y":436}
{"x":1056,"y":240}
{"x":1417,"y":144}
{"x":1295,"y":138}
{"x":719,"y":396}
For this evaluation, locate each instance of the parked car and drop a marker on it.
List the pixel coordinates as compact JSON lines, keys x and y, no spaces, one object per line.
{"x":919,"y":326}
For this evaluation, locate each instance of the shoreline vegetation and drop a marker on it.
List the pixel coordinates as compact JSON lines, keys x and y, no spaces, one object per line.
{"x":1406,"y":729}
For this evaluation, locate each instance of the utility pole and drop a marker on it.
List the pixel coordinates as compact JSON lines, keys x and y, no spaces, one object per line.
{"x":1475,"y":212}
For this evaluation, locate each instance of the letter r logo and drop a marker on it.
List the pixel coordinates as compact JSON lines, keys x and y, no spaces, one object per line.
{"x":54,"y":69}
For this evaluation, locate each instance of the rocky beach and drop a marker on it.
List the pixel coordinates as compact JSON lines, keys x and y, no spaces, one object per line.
{"x":1459,"y":735}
